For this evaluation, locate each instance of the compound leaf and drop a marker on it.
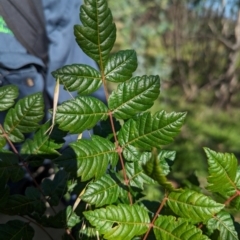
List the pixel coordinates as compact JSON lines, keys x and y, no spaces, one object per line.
{"x":24,"y":117}
{"x":149,"y":131}
{"x":97,"y":35}
{"x":79,"y":77}
{"x":101,"y":192}
{"x":134,"y":96}
{"x":93,"y":156}
{"x":170,"y":228}
{"x":119,"y":222}
{"x":222,"y":172}
{"x":15,"y":230}
{"x":194,"y":206}
{"x":79,"y":114}
{"x":7,"y":96}
{"x":224,"y":223}
{"x":120,"y":66}
{"x":165,"y":159}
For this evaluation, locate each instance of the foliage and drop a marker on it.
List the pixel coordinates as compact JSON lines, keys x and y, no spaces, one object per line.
{"x":108,"y":172}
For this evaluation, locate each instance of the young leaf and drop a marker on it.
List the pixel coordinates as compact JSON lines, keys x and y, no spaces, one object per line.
{"x":134,"y":96}
{"x":93,"y":156}
{"x":154,"y":170}
{"x":120,"y":66}
{"x":196,"y":207}
{"x":224,"y":223}
{"x":79,"y":77}
{"x":97,"y":35}
{"x":222,"y":172}
{"x":136,"y":175}
{"x":119,"y":222}
{"x":151,"y":131}
{"x":79,"y":114}
{"x":102,"y":192}
{"x":16,"y":229}
{"x":24,"y":117}
{"x":55,"y":189}
{"x":7,"y":96}
{"x":168,"y":228}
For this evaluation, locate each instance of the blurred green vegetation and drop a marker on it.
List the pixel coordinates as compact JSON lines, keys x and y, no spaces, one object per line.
{"x":194,"y":48}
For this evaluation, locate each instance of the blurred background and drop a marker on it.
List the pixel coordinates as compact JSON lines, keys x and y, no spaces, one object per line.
{"x":194,"y":45}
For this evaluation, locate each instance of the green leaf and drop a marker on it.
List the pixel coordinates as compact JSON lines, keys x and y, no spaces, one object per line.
{"x":236,"y":201}
{"x":42,"y":146}
{"x":33,"y":194}
{"x":168,"y":228}
{"x":65,"y":218}
{"x":154,"y":170}
{"x":119,"y":222}
{"x":149,"y":131}
{"x":24,"y":117}
{"x":102,"y":192}
{"x":224,"y":223}
{"x":196,"y":207}
{"x":97,"y":35}
{"x":79,"y":114}
{"x":18,"y":205}
{"x":93,"y":156}
{"x":120,"y":66}
{"x":7,"y":96}
{"x":79,"y":77}
{"x":165,"y":159}
{"x":15,"y":230}
{"x":4,"y":193}
{"x":56,"y":188}
{"x":9,"y":166}
{"x":222,"y":172}
{"x":133,"y":154}
{"x":136,"y":175}
{"x":134,"y":96}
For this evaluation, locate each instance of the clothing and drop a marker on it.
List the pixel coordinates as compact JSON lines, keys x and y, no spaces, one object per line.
{"x":27,"y":71}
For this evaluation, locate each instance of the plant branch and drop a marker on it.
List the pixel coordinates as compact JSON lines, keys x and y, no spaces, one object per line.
{"x":39,"y":225}
{"x":227,"y":202}
{"x":25,"y":166}
{"x":155,"y":217}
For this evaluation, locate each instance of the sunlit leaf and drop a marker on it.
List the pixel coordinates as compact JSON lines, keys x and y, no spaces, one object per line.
{"x":24,"y":117}
{"x":102,"y":192}
{"x":134,"y":96}
{"x":97,"y":34}
{"x":170,"y":228}
{"x":7,"y":96}
{"x":193,"y":206}
{"x":224,"y":223}
{"x":151,"y":131}
{"x":119,"y":222}
{"x":79,"y":77}
{"x":79,"y":114}
{"x":222,"y":172}
{"x":120,"y":66}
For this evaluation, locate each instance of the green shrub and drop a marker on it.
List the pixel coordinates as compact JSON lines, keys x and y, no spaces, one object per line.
{"x":114,"y":171}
